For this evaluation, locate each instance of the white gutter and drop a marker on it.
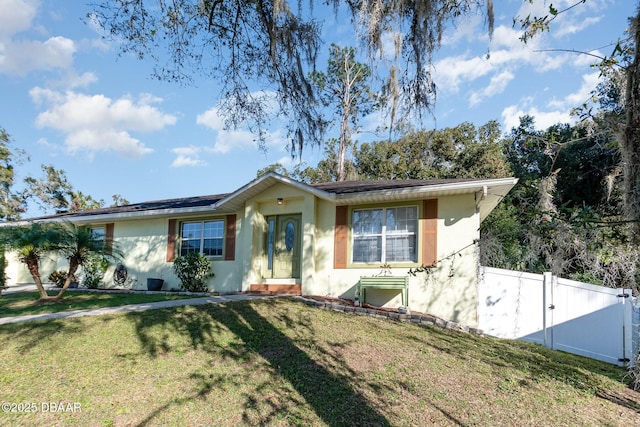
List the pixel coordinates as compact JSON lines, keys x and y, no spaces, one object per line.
{"x":471,"y":186}
{"x":115,"y":216}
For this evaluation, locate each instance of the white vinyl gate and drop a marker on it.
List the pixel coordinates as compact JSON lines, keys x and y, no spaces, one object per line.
{"x":561,"y":314}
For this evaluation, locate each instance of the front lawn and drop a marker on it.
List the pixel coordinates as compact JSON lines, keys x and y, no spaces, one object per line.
{"x":280,"y":362}
{"x":24,"y":303}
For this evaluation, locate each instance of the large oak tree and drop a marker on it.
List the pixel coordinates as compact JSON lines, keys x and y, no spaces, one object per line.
{"x":258,"y":49}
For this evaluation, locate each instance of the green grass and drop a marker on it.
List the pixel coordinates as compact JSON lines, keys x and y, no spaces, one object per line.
{"x":25,"y":303}
{"x":279,"y":362}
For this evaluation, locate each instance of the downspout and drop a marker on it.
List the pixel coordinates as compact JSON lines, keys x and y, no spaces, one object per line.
{"x":479,"y":199}
{"x":481,"y":195}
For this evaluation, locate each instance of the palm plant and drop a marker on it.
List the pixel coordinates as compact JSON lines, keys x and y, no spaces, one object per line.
{"x":30,"y":242}
{"x":79,"y":245}
{"x":76,"y":243}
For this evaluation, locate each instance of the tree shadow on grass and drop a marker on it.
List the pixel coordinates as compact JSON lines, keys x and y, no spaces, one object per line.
{"x":330,"y":395}
{"x":196,"y":324}
{"x":535,"y":362}
{"x":34,"y":333}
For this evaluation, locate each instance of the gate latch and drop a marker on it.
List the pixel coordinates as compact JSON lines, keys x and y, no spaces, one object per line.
{"x":552,"y":307}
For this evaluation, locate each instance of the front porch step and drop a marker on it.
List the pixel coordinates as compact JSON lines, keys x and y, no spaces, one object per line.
{"x":276,"y":289}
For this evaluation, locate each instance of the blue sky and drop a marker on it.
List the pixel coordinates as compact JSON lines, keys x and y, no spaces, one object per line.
{"x":70,"y":100}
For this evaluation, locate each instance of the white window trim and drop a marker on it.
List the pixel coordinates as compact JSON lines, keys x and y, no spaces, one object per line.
{"x":383,"y":234}
{"x":202,"y":238}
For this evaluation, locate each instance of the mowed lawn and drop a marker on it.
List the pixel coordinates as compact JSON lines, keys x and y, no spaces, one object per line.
{"x":280,"y":362}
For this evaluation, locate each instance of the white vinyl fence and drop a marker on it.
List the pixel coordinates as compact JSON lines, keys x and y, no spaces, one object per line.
{"x":561,"y":314}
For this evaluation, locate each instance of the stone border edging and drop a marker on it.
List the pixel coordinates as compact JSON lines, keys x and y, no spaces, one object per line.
{"x":422,"y":319}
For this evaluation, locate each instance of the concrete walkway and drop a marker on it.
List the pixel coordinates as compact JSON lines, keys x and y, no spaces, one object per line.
{"x":130,"y":308}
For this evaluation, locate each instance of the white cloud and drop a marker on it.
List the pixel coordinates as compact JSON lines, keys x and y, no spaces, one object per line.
{"x":507,"y":37}
{"x":230,"y":140}
{"x":83,"y":80}
{"x":22,"y":57}
{"x":587,"y":59}
{"x":25,"y":46}
{"x":573,"y":21}
{"x":496,"y":86}
{"x":582,"y":95}
{"x":506,"y":52}
{"x":227,"y":140}
{"x":572,"y":27}
{"x":557,"y":110}
{"x":469,"y":29}
{"x":16,"y":16}
{"x":188,"y":156}
{"x":94,"y":123}
{"x":508,"y":58}
{"x":211,"y":119}
{"x":287,"y":162}
{"x":92,"y":141}
{"x":451,"y":72}
{"x":543,"y":119}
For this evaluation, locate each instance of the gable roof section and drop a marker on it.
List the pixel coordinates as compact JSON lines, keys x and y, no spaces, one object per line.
{"x":236,"y":200}
{"x":488,"y":193}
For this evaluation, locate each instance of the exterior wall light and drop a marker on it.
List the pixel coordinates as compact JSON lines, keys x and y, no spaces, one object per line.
{"x":280,"y":201}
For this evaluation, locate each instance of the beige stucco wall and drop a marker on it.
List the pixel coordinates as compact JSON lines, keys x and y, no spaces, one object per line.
{"x":295,"y":201}
{"x":16,"y":272}
{"x":143,"y":244}
{"x":448,"y":291}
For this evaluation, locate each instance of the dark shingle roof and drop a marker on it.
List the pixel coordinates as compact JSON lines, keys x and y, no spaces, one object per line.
{"x":349,"y":187}
{"x":183,"y":202}
{"x":343,"y":187}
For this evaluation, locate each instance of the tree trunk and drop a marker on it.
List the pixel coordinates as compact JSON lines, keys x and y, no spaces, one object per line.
{"x":35,"y":274}
{"x":73,"y":267}
{"x":630,"y":150}
{"x":344,"y":132}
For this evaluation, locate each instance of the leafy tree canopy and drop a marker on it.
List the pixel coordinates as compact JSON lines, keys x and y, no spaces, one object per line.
{"x":11,"y":203}
{"x":258,"y":48}
{"x":53,"y":191}
{"x":463,"y":151}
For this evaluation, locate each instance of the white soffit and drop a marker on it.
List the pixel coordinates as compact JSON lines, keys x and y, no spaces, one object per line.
{"x":499,"y":186}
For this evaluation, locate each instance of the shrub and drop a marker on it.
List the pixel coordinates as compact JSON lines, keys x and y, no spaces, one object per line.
{"x":193,"y":270}
{"x":633,"y":373}
{"x":58,"y":277}
{"x":94,"y":269}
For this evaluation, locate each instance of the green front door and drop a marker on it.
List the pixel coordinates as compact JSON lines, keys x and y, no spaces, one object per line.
{"x":283,"y":246}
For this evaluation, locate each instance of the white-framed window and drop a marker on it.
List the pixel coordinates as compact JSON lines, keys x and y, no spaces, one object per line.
{"x":205,"y":237}
{"x":385,"y":235}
